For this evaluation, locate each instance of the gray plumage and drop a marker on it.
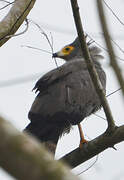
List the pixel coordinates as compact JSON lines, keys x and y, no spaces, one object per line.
{"x":66,"y":95}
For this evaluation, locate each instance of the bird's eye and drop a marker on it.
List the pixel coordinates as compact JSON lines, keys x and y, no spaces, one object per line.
{"x":67,"y":49}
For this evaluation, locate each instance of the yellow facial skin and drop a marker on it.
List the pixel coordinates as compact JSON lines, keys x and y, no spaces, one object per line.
{"x":66,"y":51}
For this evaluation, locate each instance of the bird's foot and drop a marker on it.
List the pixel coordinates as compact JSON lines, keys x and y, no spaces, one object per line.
{"x":82,"y":142}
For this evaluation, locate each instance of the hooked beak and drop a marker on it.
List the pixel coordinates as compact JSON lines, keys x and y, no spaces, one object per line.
{"x":55,"y":55}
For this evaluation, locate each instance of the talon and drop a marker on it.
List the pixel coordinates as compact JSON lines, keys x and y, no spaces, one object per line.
{"x":82,"y":142}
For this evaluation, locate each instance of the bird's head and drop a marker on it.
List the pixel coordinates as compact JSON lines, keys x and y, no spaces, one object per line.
{"x":73,"y":51}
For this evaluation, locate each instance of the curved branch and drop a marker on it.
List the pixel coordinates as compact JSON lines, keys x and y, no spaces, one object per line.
{"x":24,"y":158}
{"x":94,"y":147}
{"x":13,"y":20}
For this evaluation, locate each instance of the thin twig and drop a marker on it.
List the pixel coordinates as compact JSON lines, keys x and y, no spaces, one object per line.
{"x":31,"y":47}
{"x":90,"y":66}
{"x":117,"y":45}
{"x":6,"y":5}
{"x":121,"y":59}
{"x":47,"y":38}
{"x":113,"y":12}
{"x":51,"y":39}
{"x":6,"y":1}
{"x":89,"y":166}
{"x":112,"y":58}
{"x":113,"y":92}
{"x":99,"y":116}
{"x":27,"y":26}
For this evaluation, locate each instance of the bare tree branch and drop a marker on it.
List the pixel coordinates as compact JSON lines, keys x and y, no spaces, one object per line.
{"x":12,"y":21}
{"x":111,"y":53}
{"x":24,"y":158}
{"x":90,"y":66}
{"x":94,"y":147}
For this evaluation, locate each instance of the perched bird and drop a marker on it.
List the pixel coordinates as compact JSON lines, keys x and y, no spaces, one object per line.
{"x":66,"y":95}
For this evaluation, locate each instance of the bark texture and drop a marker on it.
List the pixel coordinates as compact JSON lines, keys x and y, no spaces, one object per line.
{"x":15,"y":17}
{"x":24,"y":158}
{"x":94,"y":147}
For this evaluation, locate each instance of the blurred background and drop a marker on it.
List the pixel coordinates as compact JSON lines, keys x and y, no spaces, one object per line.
{"x":21,"y":67}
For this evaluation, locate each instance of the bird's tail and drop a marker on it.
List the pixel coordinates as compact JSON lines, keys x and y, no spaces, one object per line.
{"x":47,"y":133}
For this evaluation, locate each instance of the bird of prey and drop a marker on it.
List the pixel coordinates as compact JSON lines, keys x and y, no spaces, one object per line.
{"x":66,"y":95}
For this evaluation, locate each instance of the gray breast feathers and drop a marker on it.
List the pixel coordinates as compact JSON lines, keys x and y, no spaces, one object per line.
{"x":68,"y":90}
